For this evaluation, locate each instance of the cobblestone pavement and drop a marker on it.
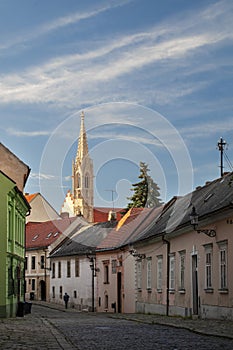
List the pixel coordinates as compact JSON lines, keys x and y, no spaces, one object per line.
{"x":53,"y":327}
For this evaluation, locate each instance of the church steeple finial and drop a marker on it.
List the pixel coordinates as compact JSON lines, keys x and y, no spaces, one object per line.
{"x":82,"y":150}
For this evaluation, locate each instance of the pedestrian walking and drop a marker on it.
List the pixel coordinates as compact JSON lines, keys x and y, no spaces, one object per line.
{"x":66,"y":299}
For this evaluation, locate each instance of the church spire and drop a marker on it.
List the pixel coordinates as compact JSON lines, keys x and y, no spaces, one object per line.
{"x":82,"y":150}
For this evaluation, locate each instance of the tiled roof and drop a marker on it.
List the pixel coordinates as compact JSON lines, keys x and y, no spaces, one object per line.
{"x":85,"y":240}
{"x":129,"y":227}
{"x":30,"y":197}
{"x":101,"y":214}
{"x":43,"y":234}
{"x":216,"y":196}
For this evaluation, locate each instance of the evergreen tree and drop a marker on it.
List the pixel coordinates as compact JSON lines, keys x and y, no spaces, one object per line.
{"x":146,"y":192}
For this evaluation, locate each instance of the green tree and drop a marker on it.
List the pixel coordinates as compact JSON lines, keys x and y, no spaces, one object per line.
{"x":146,"y":191}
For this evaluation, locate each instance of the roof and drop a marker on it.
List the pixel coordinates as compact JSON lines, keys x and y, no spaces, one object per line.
{"x":43,"y":234}
{"x":129,"y":227}
{"x":208,"y":200}
{"x":85,"y":240}
{"x":100,"y":214}
{"x":14,"y":167}
{"x":30,"y":197}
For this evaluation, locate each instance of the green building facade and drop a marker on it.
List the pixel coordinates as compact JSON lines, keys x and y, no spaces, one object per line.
{"x":13,"y":211}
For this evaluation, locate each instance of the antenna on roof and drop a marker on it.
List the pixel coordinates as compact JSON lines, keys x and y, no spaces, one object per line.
{"x":112,"y":197}
{"x":221,"y":145}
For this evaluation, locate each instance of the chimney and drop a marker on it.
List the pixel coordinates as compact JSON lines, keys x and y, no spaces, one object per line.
{"x":64,"y":215}
{"x":112,"y":216}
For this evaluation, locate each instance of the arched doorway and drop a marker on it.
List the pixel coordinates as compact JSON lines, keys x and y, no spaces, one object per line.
{"x":43,"y":290}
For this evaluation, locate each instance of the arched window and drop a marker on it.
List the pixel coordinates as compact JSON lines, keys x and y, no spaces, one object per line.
{"x":78,"y":181}
{"x":86,"y":181}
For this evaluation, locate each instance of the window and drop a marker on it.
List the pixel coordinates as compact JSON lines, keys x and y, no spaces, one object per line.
{"x":86,"y":181}
{"x":33,"y":284}
{"x":149,"y":273}
{"x":75,"y":294}
{"x":139,"y":274}
{"x":159,"y":272}
{"x":223,"y":265}
{"x":76,"y":267}
{"x":53,"y":270}
{"x":182,"y":271}
{"x":26,"y":262}
{"x":172,"y":272}
{"x":68,"y":269}
{"x":106,"y":301}
{"x":59,"y":269}
{"x":33,"y":262}
{"x":53,"y":292}
{"x":208,"y":266}
{"x":60,"y":292}
{"x":114,"y":266}
{"x":106,"y":271}
{"x":42,"y":262}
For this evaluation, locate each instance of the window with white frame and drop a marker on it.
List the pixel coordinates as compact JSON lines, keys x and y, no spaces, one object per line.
{"x":223,"y":265}
{"x":149,"y":263}
{"x":139,"y":274}
{"x":182,"y":256}
{"x":159,"y":272}
{"x":208,"y":266}
{"x":172,"y":272}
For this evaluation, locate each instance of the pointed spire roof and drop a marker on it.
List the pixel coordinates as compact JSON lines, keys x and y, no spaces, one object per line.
{"x":82,"y":150}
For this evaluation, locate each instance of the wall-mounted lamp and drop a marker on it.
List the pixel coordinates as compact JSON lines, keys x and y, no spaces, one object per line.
{"x":194,"y":223}
{"x":136,"y":254}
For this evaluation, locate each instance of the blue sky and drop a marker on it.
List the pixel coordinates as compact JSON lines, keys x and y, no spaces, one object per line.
{"x":154,"y":78}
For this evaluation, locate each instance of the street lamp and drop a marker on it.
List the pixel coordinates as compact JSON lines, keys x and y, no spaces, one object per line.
{"x":194,"y":223}
{"x":93,"y":270}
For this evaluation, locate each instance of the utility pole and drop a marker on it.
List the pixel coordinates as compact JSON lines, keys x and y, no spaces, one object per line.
{"x":221,"y":146}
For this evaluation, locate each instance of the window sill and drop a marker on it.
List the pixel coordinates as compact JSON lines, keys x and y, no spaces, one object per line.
{"x":159,"y":291}
{"x":172,"y":291}
{"x":223,"y":291}
{"x":182,"y":291}
{"x":209,"y":290}
{"x":149,"y":290}
{"x":106,"y":282}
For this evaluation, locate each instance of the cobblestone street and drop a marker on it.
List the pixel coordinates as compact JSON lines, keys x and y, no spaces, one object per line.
{"x":56,"y":328}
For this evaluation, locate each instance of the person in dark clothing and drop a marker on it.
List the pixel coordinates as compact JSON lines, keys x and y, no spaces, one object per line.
{"x":66,"y":299}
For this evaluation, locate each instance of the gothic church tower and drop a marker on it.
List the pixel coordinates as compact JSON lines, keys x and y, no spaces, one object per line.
{"x":82,"y":178}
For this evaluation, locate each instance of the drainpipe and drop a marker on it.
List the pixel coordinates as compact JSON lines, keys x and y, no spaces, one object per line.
{"x":165,"y":241}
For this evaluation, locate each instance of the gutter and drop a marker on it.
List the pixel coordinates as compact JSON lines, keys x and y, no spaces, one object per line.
{"x":165,"y":241}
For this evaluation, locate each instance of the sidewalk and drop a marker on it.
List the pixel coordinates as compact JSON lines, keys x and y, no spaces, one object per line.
{"x":221,"y":328}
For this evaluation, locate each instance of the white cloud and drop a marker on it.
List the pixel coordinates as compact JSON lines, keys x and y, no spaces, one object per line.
{"x":69,"y":78}
{"x":20,"y":133}
{"x":40,"y":176}
{"x":59,"y":23}
{"x":203,"y":129}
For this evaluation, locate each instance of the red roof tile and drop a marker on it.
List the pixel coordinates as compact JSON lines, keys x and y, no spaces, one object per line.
{"x":101,"y":214}
{"x":136,"y":220}
{"x":30,"y":197}
{"x":43,"y":234}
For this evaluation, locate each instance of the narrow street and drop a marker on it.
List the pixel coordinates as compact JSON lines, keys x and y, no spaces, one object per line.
{"x":47,"y":328}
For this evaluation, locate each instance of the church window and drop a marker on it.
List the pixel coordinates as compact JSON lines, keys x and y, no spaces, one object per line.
{"x":86,"y":181}
{"x":78,"y":180}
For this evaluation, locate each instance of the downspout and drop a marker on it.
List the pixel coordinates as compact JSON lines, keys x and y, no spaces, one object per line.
{"x":165,"y":241}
